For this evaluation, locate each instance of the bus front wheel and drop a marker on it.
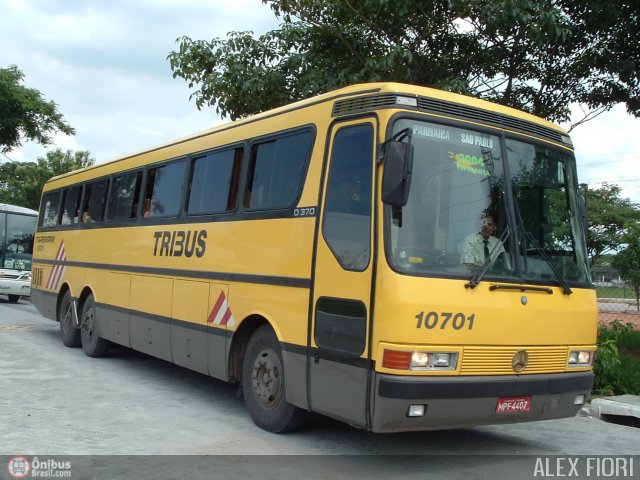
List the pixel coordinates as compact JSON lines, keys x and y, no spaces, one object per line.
{"x":263,"y":384}
{"x":93,"y":345}
{"x":69,"y":333}
{"x":13,"y":298}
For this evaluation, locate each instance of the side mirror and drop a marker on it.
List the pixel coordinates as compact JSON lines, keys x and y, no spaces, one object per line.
{"x":398,"y":165}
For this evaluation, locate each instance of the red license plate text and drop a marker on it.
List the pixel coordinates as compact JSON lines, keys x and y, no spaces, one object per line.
{"x":513,"y":404}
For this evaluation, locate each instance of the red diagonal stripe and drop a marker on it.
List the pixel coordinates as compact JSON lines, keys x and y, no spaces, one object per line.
{"x":216,"y":308}
{"x":60,"y":251}
{"x":60,"y":256}
{"x":227,"y":316}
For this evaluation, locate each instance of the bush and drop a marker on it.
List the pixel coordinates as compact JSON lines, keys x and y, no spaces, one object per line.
{"x":617,"y":365}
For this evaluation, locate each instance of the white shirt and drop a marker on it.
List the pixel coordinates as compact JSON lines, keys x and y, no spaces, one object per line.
{"x":14,"y":247}
{"x":472,"y":249}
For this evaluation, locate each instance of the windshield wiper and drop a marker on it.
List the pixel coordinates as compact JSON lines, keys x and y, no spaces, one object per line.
{"x":477,"y":277}
{"x":545,"y":256}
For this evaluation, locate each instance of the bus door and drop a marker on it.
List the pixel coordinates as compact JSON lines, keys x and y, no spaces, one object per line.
{"x":339,"y":360}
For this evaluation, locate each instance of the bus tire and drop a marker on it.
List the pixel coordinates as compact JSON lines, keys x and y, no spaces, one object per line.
{"x":263,"y":384}
{"x":68,"y":332}
{"x":13,"y":298}
{"x":93,"y":345}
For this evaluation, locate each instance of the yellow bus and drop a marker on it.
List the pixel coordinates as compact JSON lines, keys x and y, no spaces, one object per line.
{"x":396,"y":257}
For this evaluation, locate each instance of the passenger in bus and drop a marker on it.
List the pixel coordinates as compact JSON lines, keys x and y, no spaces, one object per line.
{"x":146,"y":211}
{"x":482,"y":247}
{"x":16,"y":246}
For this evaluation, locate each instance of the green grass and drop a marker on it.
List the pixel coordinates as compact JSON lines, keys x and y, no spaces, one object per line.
{"x":614,"y":292}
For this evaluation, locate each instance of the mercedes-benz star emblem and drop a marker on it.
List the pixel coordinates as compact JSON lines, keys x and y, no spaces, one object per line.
{"x":520,"y":360}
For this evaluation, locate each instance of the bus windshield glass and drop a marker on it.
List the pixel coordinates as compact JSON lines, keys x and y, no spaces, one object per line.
{"x":17,"y":239}
{"x":457,"y":222}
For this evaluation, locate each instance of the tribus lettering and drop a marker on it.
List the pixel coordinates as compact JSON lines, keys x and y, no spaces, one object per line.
{"x":180,"y":243}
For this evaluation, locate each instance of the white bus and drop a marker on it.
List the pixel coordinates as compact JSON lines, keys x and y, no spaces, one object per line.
{"x":17,"y":228}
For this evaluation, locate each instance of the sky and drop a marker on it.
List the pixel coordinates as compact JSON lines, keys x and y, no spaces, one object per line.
{"x":104,"y":63}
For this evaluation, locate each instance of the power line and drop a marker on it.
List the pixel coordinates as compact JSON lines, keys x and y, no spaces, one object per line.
{"x":599,"y":180}
{"x":596,"y":163}
{"x":11,"y":160}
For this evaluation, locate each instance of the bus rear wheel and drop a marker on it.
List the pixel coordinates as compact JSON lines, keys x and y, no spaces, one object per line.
{"x":69,"y":333}
{"x":263,"y":381}
{"x":93,"y":345}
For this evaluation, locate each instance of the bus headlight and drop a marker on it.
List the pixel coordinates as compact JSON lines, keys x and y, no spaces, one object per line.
{"x":433,"y":361}
{"x":580,"y":358}
{"x":403,"y":360}
{"x":419,"y":360}
{"x":442,"y":360}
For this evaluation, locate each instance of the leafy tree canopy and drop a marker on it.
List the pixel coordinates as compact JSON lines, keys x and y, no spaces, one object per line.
{"x":22,"y":183}
{"x":627,"y":261}
{"x":608,"y":216}
{"x":24,"y":113}
{"x":536,"y":55}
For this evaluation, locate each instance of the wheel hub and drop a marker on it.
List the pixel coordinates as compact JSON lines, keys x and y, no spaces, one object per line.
{"x":87,"y":323}
{"x":266,"y":378}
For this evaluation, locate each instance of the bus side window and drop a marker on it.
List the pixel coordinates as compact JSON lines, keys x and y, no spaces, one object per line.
{"x":347,"y":218}
{"x":213,"y":186}
{"x":71,"y":206}
{"x":123,"y":203}
{"x":276,"y":171}
{"x":50,"y":210}
{"x":95,"y":195}
{"x":164,"y":190}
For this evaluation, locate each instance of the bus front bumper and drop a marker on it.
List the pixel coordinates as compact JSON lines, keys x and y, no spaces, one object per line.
{"x":454,"y":402}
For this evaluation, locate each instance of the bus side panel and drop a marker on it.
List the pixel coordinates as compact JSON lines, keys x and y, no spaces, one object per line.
{"x":114,"y":312}
{"x":216,"y":312}
{"x":45,"y":302}
{"x":150,"y":332}
{"x":189,"y":339}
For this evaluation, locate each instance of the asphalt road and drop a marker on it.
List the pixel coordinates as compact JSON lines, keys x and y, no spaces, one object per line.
{"x":56,"y":401}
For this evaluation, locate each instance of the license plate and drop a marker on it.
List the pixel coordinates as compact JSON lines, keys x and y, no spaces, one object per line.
{"x":513,"y":404}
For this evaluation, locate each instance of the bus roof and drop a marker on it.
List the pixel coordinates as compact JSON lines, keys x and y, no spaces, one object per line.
{"x":6,"y":208}
{"x":356,"y":90}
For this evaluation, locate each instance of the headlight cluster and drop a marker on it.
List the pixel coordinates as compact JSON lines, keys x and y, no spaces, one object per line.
{"x":403,"y":360}
{"x":581,"y":358}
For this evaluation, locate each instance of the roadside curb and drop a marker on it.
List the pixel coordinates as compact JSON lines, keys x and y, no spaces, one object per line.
{"x":616,"y":406}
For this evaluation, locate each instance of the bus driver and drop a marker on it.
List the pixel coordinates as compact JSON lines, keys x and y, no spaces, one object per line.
{"x":482,"y":247}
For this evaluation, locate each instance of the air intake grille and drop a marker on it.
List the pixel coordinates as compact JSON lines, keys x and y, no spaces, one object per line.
{"x":440,"y":107}
{"x":465,"y":112}
{"x":497,"y":360}
{"x":363,"y":104}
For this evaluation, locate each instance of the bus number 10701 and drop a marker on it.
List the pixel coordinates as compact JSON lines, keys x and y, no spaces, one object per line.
{"x":444,"y":320}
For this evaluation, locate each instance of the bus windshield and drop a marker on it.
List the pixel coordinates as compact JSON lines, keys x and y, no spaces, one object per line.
{"x":470,"y":209}
{"x":17,"y":241}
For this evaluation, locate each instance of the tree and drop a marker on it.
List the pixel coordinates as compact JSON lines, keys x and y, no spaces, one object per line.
{"x":611,"y":50}
{"x":22,"y":183}
{"x":627,"y":261}
{"x":24,"y":113}
{"x":536,"y":55}
{"x":607,"y":215}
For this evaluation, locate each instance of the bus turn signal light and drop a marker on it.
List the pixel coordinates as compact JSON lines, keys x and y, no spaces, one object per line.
{"x":396,"y":359}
